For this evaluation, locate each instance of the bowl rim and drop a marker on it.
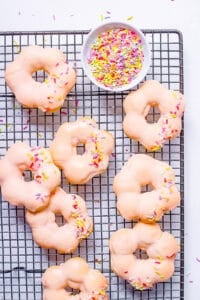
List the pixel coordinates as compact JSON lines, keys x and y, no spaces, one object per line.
{"x":115,"y":24}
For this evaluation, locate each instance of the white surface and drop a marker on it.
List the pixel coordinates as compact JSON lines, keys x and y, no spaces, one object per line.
{"x":177,"y":14}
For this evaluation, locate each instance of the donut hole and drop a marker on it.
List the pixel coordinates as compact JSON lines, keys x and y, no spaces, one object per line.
{"x":147,"y":188}
{"x":40,"y":75}
{"x":80,"y":149}
{"x":141,"y":254}
{"x":153,"y":115}
{"x":60,"y":221}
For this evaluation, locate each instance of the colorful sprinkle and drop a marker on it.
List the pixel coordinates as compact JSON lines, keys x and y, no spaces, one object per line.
{"x":98,"y":261}
{"x":80,"y":220}
{"x":198,"y":259}
{"x":130,"y":18}
{"x":97,"y":154}
{"x":116,"y":57}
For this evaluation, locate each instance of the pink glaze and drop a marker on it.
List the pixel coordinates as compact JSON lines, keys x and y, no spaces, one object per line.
{"x":161,"y":248}
{"x":74,"y":273}
{"x":49,"y":95}
{"x":35,"y":194}
{"x":99,"y":144}
{"x":137,"y":104}
{"x":138,"y":171}
{"x":65,"y":239}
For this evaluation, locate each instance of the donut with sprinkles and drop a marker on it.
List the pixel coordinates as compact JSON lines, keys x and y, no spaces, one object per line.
{"x":48,"y":95}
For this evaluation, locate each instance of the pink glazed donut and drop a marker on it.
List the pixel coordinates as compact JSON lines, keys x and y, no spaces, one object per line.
{"x":66,"y":238}
{"x":137,"y":104}
{"x":161,"y":249}
{"x":76,"y":274}
{"x":141,"y":170}
{"x":35,"y":194}
{"x":49,"y":95}
{"x":99,"y":144}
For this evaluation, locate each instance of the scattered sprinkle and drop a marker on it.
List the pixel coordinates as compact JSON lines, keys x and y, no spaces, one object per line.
{"x":76,"y":103}
{"x":98,"y":261}
{"x":198,"y":259}
{"x":54,"y":17}
{"x":40,"y":134}
{"x":63,"y":113}
{"x":101,"y":17}
{"x":116,"y":57}
{"x":130,"y":18}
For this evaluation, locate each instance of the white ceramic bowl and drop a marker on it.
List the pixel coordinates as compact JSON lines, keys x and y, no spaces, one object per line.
{"x":90,"y":39}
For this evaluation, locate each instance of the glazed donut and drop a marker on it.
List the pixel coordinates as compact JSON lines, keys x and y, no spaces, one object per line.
{"x":137,"y":104}
{"x":48,"y":95}
{"x":161,"y":248}
{"x":138,"y":171}
{"x":99,"y":144}
{"x":76,"y":274}
{"x":65,"y":239}
{"x":35,"y":194}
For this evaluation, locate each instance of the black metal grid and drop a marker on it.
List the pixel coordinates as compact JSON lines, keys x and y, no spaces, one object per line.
{"x":22,"y":261}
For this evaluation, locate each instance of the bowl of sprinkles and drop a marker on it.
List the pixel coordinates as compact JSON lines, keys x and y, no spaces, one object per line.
{"x":115,"y":56}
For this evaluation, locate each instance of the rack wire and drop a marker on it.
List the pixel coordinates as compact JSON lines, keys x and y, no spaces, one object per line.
{"x":22,"y":262}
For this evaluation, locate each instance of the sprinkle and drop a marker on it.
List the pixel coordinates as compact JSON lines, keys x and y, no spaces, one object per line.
{"x":76,"y":103}
{"x":54,"y":17}
{"x":25,"y":127}
{"x":113,"y":154}
{"x":159,"y":274}
{"x":130,"y":18}
{"x":198,"y":259}
{"x":1,"y":130}
{"x":116,"y":57}
{"x":102,"y":292}
{"x":63,"y":113}
{"x":40,"y":134}
{"x":1,"y":120}
{"x":101,"y":17}
{"x":155,"y":148}
{"x":98,"y":261}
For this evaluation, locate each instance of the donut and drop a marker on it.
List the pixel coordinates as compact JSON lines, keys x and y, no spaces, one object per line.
{"x":76,"y":274}
{"x":35,"y":194}
{"x":137,"y":104}
{"x":65,"y":239}
{"x":79,"y":169}
{"x":141,"y":170}
{"x":161,"y":249}
{"x":49,"y":95}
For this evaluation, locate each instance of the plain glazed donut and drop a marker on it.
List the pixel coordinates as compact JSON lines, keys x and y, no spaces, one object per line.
{"x":99,"y":144}
{"x":35,"y":194}
{"x":138,"y":171}
{"x":137,"y":104}
{"x":161,"y":248}
{"x":65,"y":239}
{"x":48,"y":95}
{"x":76,"y":274}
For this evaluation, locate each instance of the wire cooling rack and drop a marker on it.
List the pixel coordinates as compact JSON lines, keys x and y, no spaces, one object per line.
{"x":22,"y":262}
